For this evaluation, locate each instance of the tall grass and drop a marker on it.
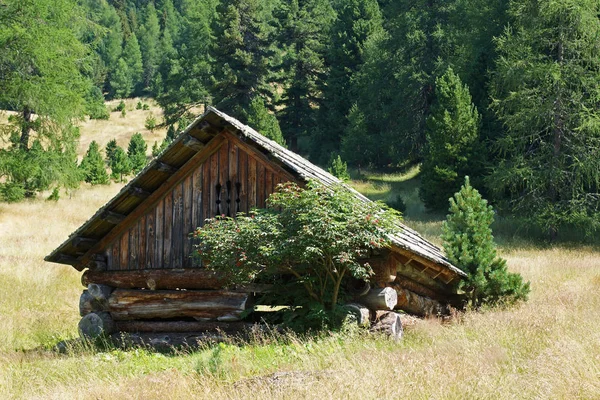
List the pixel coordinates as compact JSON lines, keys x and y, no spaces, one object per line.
{"x":546,"y":348}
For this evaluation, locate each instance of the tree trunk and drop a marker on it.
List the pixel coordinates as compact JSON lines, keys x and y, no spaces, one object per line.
{"x":388,"y":323}
{"x":25,"y":129}
{"x":380,"y":299}
{"x":146,"y":304}
{"x":96,"y":324}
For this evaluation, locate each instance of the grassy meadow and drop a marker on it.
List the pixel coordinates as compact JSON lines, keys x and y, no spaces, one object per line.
{"x":547,"y":348}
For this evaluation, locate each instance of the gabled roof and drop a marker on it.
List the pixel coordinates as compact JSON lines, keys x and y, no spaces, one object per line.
{"x":81,"y":245}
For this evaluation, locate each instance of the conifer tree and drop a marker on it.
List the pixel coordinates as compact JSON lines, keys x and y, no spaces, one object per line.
{"x":547,"y":94}
{"x":303,"y":35}
{"x":263,"y":121}
{"x":242,"y":54}
{"x":41,"y":80}
{"x":92,"y":166}
{"x":149,"y":38}
{"x":187,"y":86}
{"x":469,"y":245}
{"x":136,"y":151}
{"x":452,"y":132}
{"x":121,"y":81}
{"x":111,"y":146}
{"x":357,"y":21}
{"x":132,"y":56}
{"x":120,"y":165}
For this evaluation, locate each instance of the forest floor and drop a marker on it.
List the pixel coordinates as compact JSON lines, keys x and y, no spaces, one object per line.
{"x":546,"y":348}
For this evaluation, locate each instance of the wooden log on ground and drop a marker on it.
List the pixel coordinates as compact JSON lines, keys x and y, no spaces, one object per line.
{"x":384,"y":271}
{"x":156,"y":279}
{"x":96,"y":324}
{"x":165,"y":341}
{"x":88,"y":304}
{"x":380,"y":299}
{"x":419,"y":305}
{"x":388,"y":323}
{"x":144,"y":326}
{"x":129,"y":304}
{"x":361,"y":313}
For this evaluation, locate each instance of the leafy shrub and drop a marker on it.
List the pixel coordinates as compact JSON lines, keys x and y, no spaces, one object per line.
{"x":123,"y":113}
{"x":138,"y":106}
{"x":145,"y":107}
{"x":318,"y":235}
{"x":469,"y":245}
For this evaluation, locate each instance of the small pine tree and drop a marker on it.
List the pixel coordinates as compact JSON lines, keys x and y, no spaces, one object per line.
{"x":137,"y":152}
{"x":120,"y":164}
{"x":469,"y":245}
{"x":92,"y":166}
{"x":150,"y":123}
{"x":111,"y":146}
{"x":339,"y":168}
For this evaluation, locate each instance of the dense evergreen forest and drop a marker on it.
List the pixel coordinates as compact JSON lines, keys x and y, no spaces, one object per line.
{"x":507,"y":92}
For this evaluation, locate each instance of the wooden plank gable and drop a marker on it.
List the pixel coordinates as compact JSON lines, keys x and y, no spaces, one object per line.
{"x":233,"y":178}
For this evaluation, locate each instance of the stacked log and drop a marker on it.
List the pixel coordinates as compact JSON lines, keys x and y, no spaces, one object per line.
{"x":147,"y":302}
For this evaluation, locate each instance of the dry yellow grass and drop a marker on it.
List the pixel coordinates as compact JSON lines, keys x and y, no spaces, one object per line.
{"x":548,"y":348}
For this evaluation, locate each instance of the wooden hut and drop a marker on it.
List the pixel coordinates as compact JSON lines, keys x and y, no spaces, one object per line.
{"x":136,"y":249}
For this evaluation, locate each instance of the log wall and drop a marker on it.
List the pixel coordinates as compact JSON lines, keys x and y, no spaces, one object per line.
{"x":235,"y":178}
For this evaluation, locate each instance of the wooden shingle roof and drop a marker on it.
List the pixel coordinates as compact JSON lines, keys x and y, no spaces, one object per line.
{"x":79,"y":249}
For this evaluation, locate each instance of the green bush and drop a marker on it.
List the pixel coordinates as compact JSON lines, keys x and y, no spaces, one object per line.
{"x":145,"y":107}
{"x":150,"y":123}
{"x":397,"y":203}
{"x":55,"y":195}
{"x":318,"y":235}
{"x":138,"y":106}
{"x":469,"y":245}
{"x":12,"y":192}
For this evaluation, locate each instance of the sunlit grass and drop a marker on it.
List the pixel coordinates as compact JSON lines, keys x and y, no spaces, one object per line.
{"x":546,"y":348}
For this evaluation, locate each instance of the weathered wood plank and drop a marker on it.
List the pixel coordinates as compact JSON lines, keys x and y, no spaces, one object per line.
{"x":159,"y":236}
{"x":124,"y":248}
{"x":128,"y":304}
{"x":193,"y":278}
{"x":260,"y":185}
{"x":133,"y":247}
{"x":215,"y":191}
{"x":206,"y":192}
{"x":252,"y":198}
{"x":268,"y":184}
{"x":243,"y":180}
{"x":168,"y":232}
{"x":142,"y":242}
{"x":187,"y":221}
{"x":156,"y":196}
{"x":150,"y":239}
{"x":177,"y":234}
{"x":116,"y":256}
